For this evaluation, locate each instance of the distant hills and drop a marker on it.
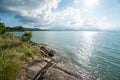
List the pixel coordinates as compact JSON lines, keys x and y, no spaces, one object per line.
{"x":20,"y":28}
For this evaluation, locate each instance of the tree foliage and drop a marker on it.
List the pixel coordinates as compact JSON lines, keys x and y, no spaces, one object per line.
{"x":2,"y":28}
{"x":27,"y":36}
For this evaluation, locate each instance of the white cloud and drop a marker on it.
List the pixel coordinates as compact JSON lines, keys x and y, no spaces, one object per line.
{"x":76,"y":1}
{"x":45,"y":17}
{"x":99,"y":23}
{"x":90,"y":3}
{"x":69,"y":17}
{"x":45,"y":14}
{"x":38,"y":12}
{"x":104,"y":24}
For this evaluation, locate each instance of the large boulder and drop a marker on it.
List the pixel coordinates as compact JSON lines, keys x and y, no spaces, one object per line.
{"x":47,"y":51}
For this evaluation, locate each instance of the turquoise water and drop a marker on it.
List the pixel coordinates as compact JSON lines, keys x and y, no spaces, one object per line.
{"x":97,"y":53}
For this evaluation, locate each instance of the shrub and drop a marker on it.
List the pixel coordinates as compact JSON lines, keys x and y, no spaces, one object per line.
{"x":2,"y":28}
{"x":27,"y":36}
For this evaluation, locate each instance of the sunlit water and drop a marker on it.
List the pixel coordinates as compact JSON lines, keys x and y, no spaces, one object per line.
{"x":97,"y":53}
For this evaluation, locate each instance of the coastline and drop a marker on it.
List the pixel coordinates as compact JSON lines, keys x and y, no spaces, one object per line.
{"x":33,"y":61}
{"x":46,"y":68}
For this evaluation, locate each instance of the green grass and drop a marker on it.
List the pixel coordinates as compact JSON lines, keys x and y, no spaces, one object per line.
{"x":12,"y":53}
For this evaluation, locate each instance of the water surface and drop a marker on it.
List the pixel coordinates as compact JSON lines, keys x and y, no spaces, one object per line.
{"x":97,"y":53}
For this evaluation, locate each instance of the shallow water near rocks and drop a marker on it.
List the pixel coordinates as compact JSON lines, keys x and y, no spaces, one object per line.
{"x":95,"y":52}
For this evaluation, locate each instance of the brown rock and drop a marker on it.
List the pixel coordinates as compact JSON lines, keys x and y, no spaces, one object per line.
{"x":56,"y":74}
{"x":59,"y":71}
{"x":48,"y":51}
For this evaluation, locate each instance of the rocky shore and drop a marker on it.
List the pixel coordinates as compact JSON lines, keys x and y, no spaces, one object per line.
{"x":44,"y":67}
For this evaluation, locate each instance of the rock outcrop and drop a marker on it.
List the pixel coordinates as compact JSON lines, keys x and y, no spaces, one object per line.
{"x":45,"y":49}
{"x":45,"y":68}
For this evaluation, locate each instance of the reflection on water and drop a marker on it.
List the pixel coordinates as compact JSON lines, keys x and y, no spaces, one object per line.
{"x":87,"y":47}
{"x":88,"y":40}
{"x":84,"y":49}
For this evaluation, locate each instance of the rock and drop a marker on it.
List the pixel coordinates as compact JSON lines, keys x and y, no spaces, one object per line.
{"x":56,"y":74}
{"x":47,"y":69}
{"x":31,"y":69}
{"x":44,"y":49}
{"x":59,"y":71}
{"x":47,"y":51}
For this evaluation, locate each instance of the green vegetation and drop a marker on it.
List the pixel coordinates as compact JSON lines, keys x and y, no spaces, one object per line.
{"x":13,"y":52}
{"x":2,"y":28}
{"x":20,"y":28}
{"x":27,"y":36}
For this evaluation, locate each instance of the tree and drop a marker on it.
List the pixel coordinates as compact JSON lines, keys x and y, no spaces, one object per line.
{"x":2,"y":28}
{"x":27,"y":36}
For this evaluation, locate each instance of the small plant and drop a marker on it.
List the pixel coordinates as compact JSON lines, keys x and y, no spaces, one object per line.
{"x":2,"y":28}
{"x":27,"y":36}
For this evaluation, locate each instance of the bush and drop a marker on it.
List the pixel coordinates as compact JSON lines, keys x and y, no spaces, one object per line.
{"x":2,"y":28}
{"x":27,"y":36}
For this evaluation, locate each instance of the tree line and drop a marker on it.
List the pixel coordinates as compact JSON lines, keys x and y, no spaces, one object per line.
{"x":25,"y":37}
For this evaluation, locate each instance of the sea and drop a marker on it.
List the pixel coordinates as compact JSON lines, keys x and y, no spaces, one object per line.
{"x":97,"y":53}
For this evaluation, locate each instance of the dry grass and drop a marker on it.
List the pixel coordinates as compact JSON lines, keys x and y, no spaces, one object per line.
{"x":12,"y":52}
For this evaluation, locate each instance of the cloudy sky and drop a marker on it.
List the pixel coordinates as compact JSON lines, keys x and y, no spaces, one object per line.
{"x":62,"y":14}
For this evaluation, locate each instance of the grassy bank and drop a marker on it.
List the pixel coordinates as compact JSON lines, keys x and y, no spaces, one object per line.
{"x":13,"y":52}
